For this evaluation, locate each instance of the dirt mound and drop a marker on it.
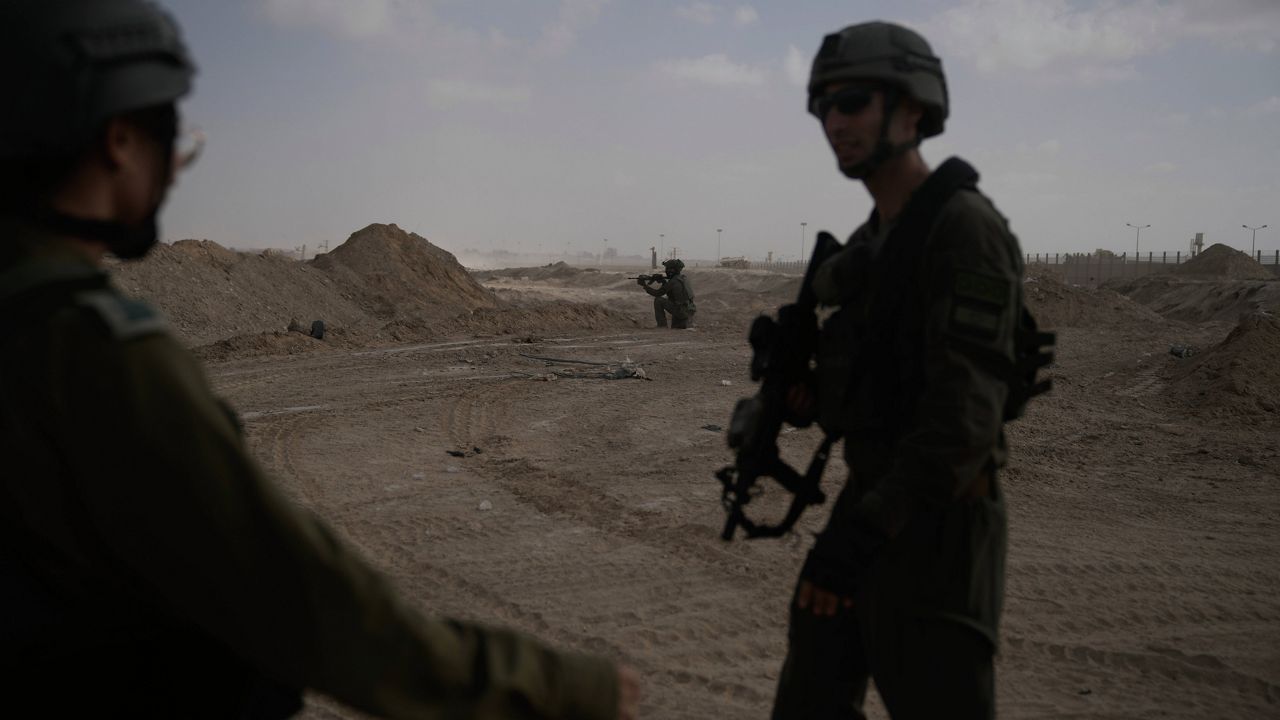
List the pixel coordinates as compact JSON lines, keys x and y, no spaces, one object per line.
{"x":560,"y":270}
{"x":209,"y":293}
{"x":1239,"y":375}
{"x":381,"y":286}
{"x":1198,"y":300}
{"x":1220,"y":262}
{"x":552,"y":316}
{"x":272,"y":343}
{"x":1057,"y":304}
{"x":1043,"y":270}
{"x":393,"y":273}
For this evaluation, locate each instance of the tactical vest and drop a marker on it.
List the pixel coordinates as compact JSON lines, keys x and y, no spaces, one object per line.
{"x":881,"y":336}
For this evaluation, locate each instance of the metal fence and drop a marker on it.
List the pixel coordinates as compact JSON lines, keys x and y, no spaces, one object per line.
{"x":1088,"y":269}
{"x":1093,"y":269}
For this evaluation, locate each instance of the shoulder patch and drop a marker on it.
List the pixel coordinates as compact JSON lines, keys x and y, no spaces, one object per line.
{"x":125,"y":317}
{"x":982,"y":288}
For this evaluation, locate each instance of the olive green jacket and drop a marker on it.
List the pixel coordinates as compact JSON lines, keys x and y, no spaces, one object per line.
{"x":132,"y":487}
{"x":922,"y":411}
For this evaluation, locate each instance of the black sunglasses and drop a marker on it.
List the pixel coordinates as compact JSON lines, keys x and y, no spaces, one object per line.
{"x":847,"y":100}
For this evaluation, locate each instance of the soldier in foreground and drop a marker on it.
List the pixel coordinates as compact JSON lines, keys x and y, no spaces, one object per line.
{"x":148,"y":568}
{"x":918,"y":369}
{"x":673,"y":296}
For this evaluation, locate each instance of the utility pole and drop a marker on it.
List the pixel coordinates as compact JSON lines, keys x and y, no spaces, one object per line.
{"x":802,"y":224}
{"x":1137,"y":238}
{"x":662,"y":238}
{"x":718,"y":231}
{"x":1253,"y":244}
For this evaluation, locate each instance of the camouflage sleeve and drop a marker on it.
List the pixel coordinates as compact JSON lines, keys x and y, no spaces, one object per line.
{"x":970,"y":312}
{"x":175,"y":497}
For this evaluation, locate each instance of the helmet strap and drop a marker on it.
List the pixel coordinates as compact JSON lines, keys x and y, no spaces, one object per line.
{"x":127,"y":242}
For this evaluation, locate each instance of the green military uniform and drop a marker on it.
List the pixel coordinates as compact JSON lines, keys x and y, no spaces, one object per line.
{"x":914,"y":371}
{"x":151,"y":569}
{"x":674,"y":297}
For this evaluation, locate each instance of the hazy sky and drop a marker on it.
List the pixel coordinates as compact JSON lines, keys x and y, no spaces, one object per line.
{"x":554,"y":124}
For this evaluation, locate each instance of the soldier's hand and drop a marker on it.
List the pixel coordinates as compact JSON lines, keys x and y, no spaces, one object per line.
{"x":800,"y":400}
{"x":628,"y":693}
{"x":824,"y":603}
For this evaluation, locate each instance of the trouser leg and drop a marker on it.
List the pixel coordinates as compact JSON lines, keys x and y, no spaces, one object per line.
{"x":935,"y":668}
{"x":662,"y":306}
{"x":825,"y":674}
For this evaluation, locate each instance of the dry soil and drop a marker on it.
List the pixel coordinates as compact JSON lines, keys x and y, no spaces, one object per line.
{"x":1143,"y":574}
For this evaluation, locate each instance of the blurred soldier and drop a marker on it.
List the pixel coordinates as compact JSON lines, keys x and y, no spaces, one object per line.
{"x":147,"y":566}
{"x":916,"y":371}
{"x":673,"y":296}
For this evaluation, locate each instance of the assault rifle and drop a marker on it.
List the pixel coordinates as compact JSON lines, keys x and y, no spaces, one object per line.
{"x":645,"y":279}
{"x":783,"y":354}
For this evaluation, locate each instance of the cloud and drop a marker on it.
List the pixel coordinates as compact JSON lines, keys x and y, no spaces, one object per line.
{"x":574,"y":16}
{"x":352,"y":18}
{"x":796,"y":65}
{"x":452,"y":93}
{"x":1270,"y":106}
{"x":745,"y":15}
{"x":716,"y":69}
{"x":703,"y":13}
{"x":1095,"y":44}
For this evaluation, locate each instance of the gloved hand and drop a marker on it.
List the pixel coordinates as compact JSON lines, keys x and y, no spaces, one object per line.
{"x":642,"y":281}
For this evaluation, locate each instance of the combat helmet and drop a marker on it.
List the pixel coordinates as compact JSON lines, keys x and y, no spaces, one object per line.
{"x":67,"y":67}
{"x":71,"y":65}
{"x":673,"y":266}
{"x":888,"y":53}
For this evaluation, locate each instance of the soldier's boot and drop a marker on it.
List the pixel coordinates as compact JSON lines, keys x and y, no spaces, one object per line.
{"x":679,"y":324}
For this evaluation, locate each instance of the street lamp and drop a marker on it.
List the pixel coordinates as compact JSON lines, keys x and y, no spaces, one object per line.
{"x":661,"y":238}
{"x":720,"y":230}
{"x":605,"y":255}
{"x":1137,"y":238}
{"x":802,"y":240}
{"x":1253,"y":244}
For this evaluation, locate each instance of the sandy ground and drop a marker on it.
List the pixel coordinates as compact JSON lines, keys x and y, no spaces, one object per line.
{"x":1143,"y":569}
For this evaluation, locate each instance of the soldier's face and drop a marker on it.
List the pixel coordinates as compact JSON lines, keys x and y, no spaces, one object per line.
{"x":851,"y":120}
{"x":852,"y":117}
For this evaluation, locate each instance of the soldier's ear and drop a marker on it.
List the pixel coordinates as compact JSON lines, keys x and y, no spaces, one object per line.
{"x":119,"y":143}
{"x":908,"y":115}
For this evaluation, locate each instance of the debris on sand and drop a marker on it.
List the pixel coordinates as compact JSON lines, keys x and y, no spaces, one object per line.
{"x":1239,"y":375}
{"x":625,"y":370}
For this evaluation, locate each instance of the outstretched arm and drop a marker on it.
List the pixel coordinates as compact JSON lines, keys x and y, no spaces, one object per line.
{"x":191,"y":518}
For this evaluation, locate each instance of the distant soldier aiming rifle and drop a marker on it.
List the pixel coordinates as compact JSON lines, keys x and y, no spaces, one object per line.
{"x":673,"y":296}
